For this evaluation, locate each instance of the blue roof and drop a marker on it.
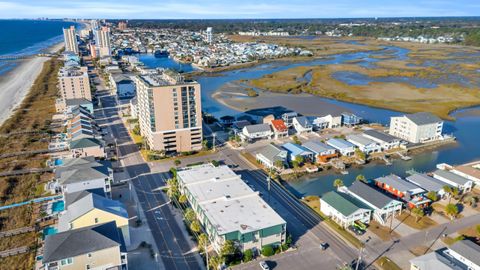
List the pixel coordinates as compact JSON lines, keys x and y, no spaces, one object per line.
{"x":295,"y":149}
{"x":340,"y":143}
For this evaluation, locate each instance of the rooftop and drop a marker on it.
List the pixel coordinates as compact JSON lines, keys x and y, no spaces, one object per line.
{"x":343,"y":203}
{"x":296,"y":149}
{"x":468,"y":250}
{"x":426,"y":182}
{"x":451,"y":176}
{"x":279,"y":125}
{"x":272,"y":152}
{"x":339,"y":143}
{"x":317,"y":147}
{"x":81,"y":241}
{"x":164,"y":78}
{"x":360,"y":139}
{"x":423,"y":118}
{"x":258,"y":128}
{"x":399,"y":184}
{"x":204,"y":173}
{"x":382,"y":136}
{"x":369,"y":194}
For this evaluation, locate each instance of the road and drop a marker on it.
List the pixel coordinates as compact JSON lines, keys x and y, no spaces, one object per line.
{"x":175,"y":250}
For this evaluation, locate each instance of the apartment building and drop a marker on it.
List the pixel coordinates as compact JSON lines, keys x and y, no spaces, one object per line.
{"x":417,"y":128}
{"x":70,"y":37}
{"x":169,"y":111}
{"x":74,"y":83}
{"x":229,"y":209}
{"x":103,"y":42}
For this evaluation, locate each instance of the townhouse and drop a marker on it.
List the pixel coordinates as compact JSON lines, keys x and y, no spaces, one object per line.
{"x":363,"y":143}
{"x":428,"y":183}
{"x":454,"y":180}
{"x":385,"y":140}
{"x":280,"y":130}
{"x":296,"y":151}
{"x":258,"y":131}
{"x":302,"y":124}
{"x":344,"y":147}
{"x":411,"y":194}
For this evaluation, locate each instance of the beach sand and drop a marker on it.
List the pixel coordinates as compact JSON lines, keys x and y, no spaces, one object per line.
{"x":15,"y":84}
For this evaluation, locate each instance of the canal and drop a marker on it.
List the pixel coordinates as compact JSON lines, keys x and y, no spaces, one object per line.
{"x":466,"y":127}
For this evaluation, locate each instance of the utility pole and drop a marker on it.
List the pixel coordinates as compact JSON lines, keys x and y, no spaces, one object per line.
{"x":359,"y":258}
{"x":268,"y":185}
{"x":214,"y":135}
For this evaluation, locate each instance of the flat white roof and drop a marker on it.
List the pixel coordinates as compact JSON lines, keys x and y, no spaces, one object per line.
{"x":245,"y":214}
{"x":229,"y":204}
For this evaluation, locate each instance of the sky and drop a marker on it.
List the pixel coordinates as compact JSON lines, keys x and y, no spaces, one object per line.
{"x":232,"y":9}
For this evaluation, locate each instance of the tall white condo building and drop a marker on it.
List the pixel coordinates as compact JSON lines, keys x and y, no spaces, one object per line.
{"x":70,"y":37}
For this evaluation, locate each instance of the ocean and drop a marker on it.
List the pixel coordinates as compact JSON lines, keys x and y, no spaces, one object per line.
{"x":27,"y":37}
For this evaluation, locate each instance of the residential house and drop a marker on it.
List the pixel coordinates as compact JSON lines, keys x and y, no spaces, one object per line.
{"x":417,"y":128}
{"x":382,"y":205}
{"x":229,"y":209}
{"x":271,"y":155}
{"x":296,"y":151}
{"x":454,"y":180}
{"x":363,"y":143}
{"x":385,"y":140}
{"x":428,"y":183}
{"x":411,"y":194}
{"x":322,"y":153}
{"x":345,"y":148}
{"x":85,"y":208}
{"x":85,"y":147}
{"x":327,"y":121}
{"x":288,"y":118}
{"x":350,"y":119}
{"x":280,"y":130}
{"x":467,"y":252}
{"x":79,"y":174}
{"x":302,"y":124}
{"x":470,"y":171}
{"x":100,"y":246}
{"x":344,"y":209}
{"x":240,"y":124}
{"x":258,"y":131}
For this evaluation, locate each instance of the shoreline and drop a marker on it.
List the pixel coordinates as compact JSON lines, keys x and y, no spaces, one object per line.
{"x":17,"y":82}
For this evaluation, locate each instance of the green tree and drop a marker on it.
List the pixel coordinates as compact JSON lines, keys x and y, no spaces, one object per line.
{"x":195,"y":226}
{"x":299,"y":159}
{"x":279,"y":164}
{"x":228,"y":248}
{"x":202,"y":241}
{"x":214,"y":262}
{"x":268,"y":251}
{"x":338,"y":183}
{"x":295,"y":164}
{"x":172,"y":191}
{"x":360,"y":177}
{"x":418,"y":213}
{"x":215,"y":163}
{"x":205,"y":145}
{"x":190,"y":214}
{"x":177,"y":162}
{"x":360,"y":154}
{"x":182,"y":199}
{"x":247,"y":255}
{"x":296,"y":140}
{"x":432,"y":195}
{"x":455,"y":192}
{"x":451,"y":210}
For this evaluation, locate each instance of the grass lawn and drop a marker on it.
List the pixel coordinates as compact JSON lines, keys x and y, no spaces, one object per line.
{"x":470,"y":232}
{"x":383,"y":232}
{"x":314,"y":203}
{"x":252,"y":160}
{"x":387,"y":264}
{"x":440,"y":209}
{"x":419,"y":251}
{"x":410,"y":220}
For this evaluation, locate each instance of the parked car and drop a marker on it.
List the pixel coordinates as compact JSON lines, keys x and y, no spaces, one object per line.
{"x":324,"y":245}
{"x":264,"y":265}
{"x":356,"y":230}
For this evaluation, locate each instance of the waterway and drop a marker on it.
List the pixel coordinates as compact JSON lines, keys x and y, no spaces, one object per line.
{"x":466,"y":128}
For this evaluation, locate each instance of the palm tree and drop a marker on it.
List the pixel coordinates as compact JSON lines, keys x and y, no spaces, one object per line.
{"x":455,"y":192}
{"x":202,"y":241}
{"x":195,"y":226}
{"x":432,"y":195}
{"x":451,"y":210}
{"x":360,"y":177}
{"x":418,"y":212}
{"x":338,"y":183}
{"x":190,"y":214}
{"x":448,"y":191}
{"x":182,"y":199}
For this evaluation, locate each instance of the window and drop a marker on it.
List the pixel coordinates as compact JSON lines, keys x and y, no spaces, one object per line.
{"x":96,"y":220}
{"x":67,"y":261}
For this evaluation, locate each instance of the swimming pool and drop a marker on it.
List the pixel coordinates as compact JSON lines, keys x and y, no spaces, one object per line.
{"x":58,"y":206}
{"x":49,"y":231}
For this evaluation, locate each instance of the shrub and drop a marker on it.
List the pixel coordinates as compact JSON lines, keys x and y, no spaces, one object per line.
{"x":247,"y":255}
{"x":267,"y":251}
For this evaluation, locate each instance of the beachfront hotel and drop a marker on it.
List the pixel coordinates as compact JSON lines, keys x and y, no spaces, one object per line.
{"x":74,"y":83}
{"x":103,"y":42}
{"x":70,"y":37}
{"x":169,"y":111}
